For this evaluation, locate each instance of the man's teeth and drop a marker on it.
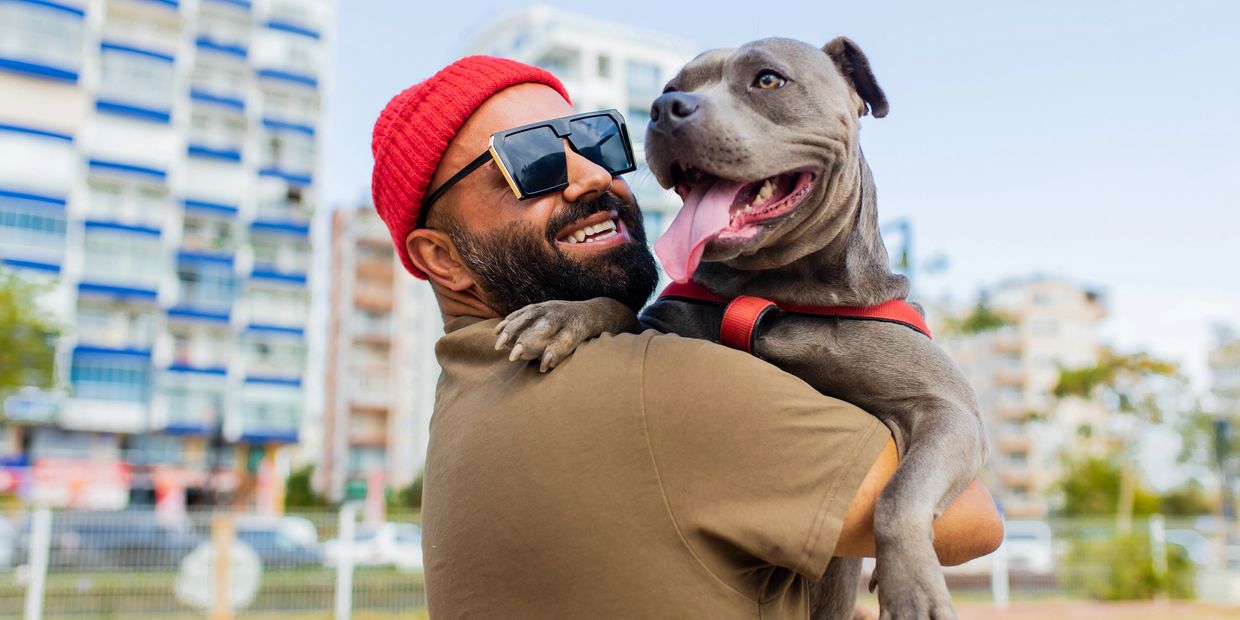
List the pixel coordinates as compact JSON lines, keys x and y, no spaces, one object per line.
{"x":595,"y":232}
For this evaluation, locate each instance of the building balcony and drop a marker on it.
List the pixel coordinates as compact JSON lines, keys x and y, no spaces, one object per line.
{"x":375,"y":269}
{"x":1016,"y":477}
{"x":1013,"y":442}
{"x":1011,"y":411}
{"x":1007,"y":340}
{"x":1009,"y":376}
{"x":371,"y":297}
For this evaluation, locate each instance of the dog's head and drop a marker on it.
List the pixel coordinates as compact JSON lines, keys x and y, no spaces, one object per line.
{"x":761,"y":143}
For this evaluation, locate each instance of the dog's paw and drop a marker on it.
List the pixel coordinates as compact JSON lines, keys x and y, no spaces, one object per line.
{"x":552,"y":330}
{"x":911,"y":590}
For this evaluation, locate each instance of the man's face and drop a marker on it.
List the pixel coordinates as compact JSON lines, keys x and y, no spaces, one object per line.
{"x":527,"y":251}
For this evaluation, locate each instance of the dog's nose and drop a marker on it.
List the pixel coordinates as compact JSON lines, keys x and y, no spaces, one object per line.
{"x":671,"y":110}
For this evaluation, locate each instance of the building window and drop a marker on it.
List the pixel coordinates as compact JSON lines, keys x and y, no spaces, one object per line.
{"x":281,"y":202}
{"x":136,"y":79}
{"x":364,"y":459}
{"x":290,"y":106}
{"x":227,"y":79}
{"x":125,"y":259}
{"x":288,"y":151}
{"x":637,"y":118}
{"x":289,"y":52}
{"x":604,"y":66}
{"x":36,"y":162}
{"x":270,"y":414}
{"x":121,"y":326}
{"x":561,"y":61}
{"x":274,"y":357}
{"x":217,"y":129}
{"x":223,"y":24}
{"x":196,"y":405}
{"x":202,"y":233}
{"x":642,"y":78}
{"x":196,"y":346}
{"x":127,"y":202}
{"x":110,"y":377}
{"x":31,"y":229}
{"x":277,"y":305}
{"x":41,"y":35}
{"x":281,"y":253}
{"x":155,"y":450}
{"x":207,"y":285}
{"x":1045,"y":328}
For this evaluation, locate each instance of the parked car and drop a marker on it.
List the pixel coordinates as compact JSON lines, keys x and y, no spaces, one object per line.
{"x":1030,"y":546}
{"x":1199,"y":549}
{"x":384,"y":544}
{"x":277,"y":550}
{"x":114,"y":539}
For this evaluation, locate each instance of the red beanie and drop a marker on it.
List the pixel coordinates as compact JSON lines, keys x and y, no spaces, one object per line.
{"x":415,"y":127}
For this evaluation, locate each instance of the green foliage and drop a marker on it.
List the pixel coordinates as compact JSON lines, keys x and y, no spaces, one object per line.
{"x":1187,"y":500}
{"x":1123,"y":379}
{"x":27,"y":337}
{"x":982,"y":318}
{"x":1090,"y":487}
{"x":409,"y":496}
{"x":298,"y":491}
{"x":1120,"y":567}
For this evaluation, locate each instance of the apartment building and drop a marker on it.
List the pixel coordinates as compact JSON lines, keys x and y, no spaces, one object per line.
{"x":1053,"y":325}
{"x":157,"y":172}
{"x":380,"y":369}
{"x":603,"y":65}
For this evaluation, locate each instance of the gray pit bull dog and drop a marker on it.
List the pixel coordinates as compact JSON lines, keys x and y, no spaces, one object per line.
{"x":761,"y":142}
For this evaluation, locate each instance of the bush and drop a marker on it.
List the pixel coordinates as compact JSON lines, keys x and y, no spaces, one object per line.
{"x":1120,"y":567}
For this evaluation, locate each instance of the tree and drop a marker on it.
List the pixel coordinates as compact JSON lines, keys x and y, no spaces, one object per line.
{"x":1090,"y":487}
{"x":299,"y":492}
{"x":409,"y":496}
{"x":1136,"y":386}
{"x":27,"y":337}
{"x":981,"y":318}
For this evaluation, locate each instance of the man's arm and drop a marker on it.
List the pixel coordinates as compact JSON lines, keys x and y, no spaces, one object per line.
{"x":969,"y":528}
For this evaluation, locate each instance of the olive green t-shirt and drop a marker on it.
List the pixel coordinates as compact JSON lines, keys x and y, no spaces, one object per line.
{"x":648,"y":476}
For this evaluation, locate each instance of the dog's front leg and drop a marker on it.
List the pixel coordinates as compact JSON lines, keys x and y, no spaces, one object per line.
{"x":550,"y":331}
{"x":945,"y":451}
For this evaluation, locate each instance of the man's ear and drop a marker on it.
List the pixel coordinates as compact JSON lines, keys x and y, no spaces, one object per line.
{"x":432,"y":252}
{"x":852,"y":62}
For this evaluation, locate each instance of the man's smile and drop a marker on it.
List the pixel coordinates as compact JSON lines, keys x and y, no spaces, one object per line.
{"x":600,"y":231}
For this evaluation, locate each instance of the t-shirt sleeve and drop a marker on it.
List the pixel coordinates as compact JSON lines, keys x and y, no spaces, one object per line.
{"x":757,"y":467}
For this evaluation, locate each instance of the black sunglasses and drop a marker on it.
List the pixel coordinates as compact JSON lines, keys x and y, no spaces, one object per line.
{"x":532,"y":160}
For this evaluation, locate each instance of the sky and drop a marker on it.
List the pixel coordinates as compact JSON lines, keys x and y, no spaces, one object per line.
{"x":1094,"y":141}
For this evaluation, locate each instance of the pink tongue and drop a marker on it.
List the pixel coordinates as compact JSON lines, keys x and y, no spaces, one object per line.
{"x":704,"y":216}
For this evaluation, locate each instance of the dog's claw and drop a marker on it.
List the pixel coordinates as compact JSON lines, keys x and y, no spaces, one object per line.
{"x":501,"y":341}
{"x":516,"y":352}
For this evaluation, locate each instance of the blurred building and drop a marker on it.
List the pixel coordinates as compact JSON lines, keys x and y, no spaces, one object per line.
{"x":157,"y":166}
{"x":380,"y":368}
{"x":603,"y":65}
{"x":1053,"y":324}
{"x":1225,"y":373}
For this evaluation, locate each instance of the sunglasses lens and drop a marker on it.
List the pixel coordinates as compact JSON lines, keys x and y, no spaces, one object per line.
{"x":536,"y":158}
{"x":598,"y":139}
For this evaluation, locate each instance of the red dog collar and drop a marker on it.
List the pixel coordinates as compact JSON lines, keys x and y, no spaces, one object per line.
{"x":742,"y":314}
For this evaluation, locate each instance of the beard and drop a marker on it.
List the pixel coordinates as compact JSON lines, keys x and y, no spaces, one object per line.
{"x":522,"y":265}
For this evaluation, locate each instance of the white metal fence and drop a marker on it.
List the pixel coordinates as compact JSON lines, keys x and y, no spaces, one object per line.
{"x":331,"y":564}
{"x":136,"y":564}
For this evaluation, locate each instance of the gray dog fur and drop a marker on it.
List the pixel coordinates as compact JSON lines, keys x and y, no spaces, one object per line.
{"x":827,"y":251}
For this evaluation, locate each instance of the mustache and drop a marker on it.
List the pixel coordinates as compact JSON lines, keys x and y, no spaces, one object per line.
{"x":574,"y":211}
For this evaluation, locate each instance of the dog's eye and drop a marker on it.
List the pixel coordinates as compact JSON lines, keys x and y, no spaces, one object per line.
{"x":769,"y":80}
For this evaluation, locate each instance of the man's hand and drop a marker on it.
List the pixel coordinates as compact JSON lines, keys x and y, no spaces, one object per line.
{"x":970,"y":527}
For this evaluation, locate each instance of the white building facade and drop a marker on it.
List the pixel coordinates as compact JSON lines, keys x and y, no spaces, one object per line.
{"x":603,"y":65}
{"x":1014,"y":369}
{"x":157,"y":170}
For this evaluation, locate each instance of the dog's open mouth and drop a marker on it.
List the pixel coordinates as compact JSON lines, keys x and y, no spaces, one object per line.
{"x":754,"y":201}
{"x":717,"y":209}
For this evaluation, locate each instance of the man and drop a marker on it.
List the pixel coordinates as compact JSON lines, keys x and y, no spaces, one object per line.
{"x":648,"y":475}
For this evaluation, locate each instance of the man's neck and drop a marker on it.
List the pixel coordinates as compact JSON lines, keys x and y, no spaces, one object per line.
{"x":456,"y":304}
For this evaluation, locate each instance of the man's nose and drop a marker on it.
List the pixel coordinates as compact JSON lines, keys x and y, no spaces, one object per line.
{"x":586,"y":179}
{"x":671,"y":110}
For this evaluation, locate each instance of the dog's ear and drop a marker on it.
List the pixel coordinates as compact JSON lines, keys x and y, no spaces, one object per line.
{"x":856,"y":67}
